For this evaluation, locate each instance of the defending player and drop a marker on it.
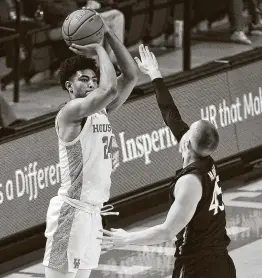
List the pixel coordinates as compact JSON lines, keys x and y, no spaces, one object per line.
{"x":197,"y":215}
{"x":84,"y":139}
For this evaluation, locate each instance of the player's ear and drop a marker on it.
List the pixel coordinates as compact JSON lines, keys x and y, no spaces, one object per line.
{"x":68,"y":86}
{"x":188,"y":144}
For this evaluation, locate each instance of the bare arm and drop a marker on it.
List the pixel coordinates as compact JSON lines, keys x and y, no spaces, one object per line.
{"x":98,"y":99}
{"x":128,"y":79}
{"x":188,"y":193}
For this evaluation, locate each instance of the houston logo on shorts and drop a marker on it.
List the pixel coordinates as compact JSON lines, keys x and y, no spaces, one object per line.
{"x":76,"y":263}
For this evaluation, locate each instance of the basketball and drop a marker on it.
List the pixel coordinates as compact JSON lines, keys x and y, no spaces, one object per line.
{"x":83,"y":27}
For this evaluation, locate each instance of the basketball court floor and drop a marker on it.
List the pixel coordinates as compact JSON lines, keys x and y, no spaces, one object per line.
{"x":244,"y":226}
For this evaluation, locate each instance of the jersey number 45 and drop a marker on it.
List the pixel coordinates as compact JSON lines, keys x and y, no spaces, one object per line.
{"x":217,"y":203}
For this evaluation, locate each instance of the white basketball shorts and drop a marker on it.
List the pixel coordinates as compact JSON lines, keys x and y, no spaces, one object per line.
{"x":71,"y":235}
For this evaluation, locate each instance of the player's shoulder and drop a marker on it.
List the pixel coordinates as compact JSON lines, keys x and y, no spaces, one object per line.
{"x":189,"y":183}
{"x":60,"y":111}
{"x":63,"y":116}
{"x":193,"y":176}
{"x":61,"y":106}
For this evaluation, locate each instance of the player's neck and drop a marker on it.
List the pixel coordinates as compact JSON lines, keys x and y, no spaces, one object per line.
{"x":188,"y":160}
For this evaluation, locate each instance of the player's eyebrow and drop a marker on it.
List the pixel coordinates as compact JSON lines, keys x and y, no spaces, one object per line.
{"x":87,"y":76}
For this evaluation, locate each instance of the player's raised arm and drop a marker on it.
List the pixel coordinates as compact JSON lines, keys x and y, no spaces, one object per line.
{"x":129,"y":71}
{"x":148,"y":65}
{"x":96,"y":99}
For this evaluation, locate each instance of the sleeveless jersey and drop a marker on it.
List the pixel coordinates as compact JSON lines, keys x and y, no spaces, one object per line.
{"x":85,"y":163}
{"x":206,"y":232}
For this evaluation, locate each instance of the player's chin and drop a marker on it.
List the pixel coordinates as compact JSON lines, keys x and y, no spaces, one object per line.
{"x":86,"y":93}
{"x":83,"y":94}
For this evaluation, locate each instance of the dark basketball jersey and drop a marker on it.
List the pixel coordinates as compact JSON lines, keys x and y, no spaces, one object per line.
{"x":206,"y":231}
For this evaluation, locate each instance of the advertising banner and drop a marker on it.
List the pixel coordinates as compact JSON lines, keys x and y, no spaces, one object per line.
{"x":144,"y":149}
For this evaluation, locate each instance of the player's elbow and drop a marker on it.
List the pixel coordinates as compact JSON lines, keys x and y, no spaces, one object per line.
{"x":113,"y":87}
{"x":172,"y":229}
{"x":131,"y":75}
{"x":166,"y":232}
{"x":170,"y":235}
{"x":130,"y":71}
{"x":109,"y":87}
{"x":132,"y":78}
{"x":111,"y":92}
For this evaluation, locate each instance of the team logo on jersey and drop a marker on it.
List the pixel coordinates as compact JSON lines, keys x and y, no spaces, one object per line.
{"x":76,"y":263}
{"x":102,"y":128}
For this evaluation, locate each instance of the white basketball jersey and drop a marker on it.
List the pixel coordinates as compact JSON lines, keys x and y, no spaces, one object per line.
{"x":85,"y":163}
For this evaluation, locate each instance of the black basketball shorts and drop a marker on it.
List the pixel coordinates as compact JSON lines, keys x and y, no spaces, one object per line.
{"x":209,"y":266}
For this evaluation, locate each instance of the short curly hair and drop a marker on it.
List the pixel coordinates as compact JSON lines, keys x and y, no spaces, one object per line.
{"x":71,"y":65}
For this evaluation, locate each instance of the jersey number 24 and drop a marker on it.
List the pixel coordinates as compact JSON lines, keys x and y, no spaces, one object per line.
{"x":216,"y":202}
{"x":107,"y":141}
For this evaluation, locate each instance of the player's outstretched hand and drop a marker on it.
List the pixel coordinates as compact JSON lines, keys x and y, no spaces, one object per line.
{"x":85,"y":50}
{"x":148,"y":62}
{"x":114,"y":238}
{"x":91,"y":4}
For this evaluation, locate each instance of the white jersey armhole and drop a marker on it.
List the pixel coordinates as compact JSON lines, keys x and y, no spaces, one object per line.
{"x":57,"y":131}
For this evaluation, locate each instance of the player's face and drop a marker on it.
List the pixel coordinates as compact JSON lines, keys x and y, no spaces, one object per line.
{"x":84,"y":82}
